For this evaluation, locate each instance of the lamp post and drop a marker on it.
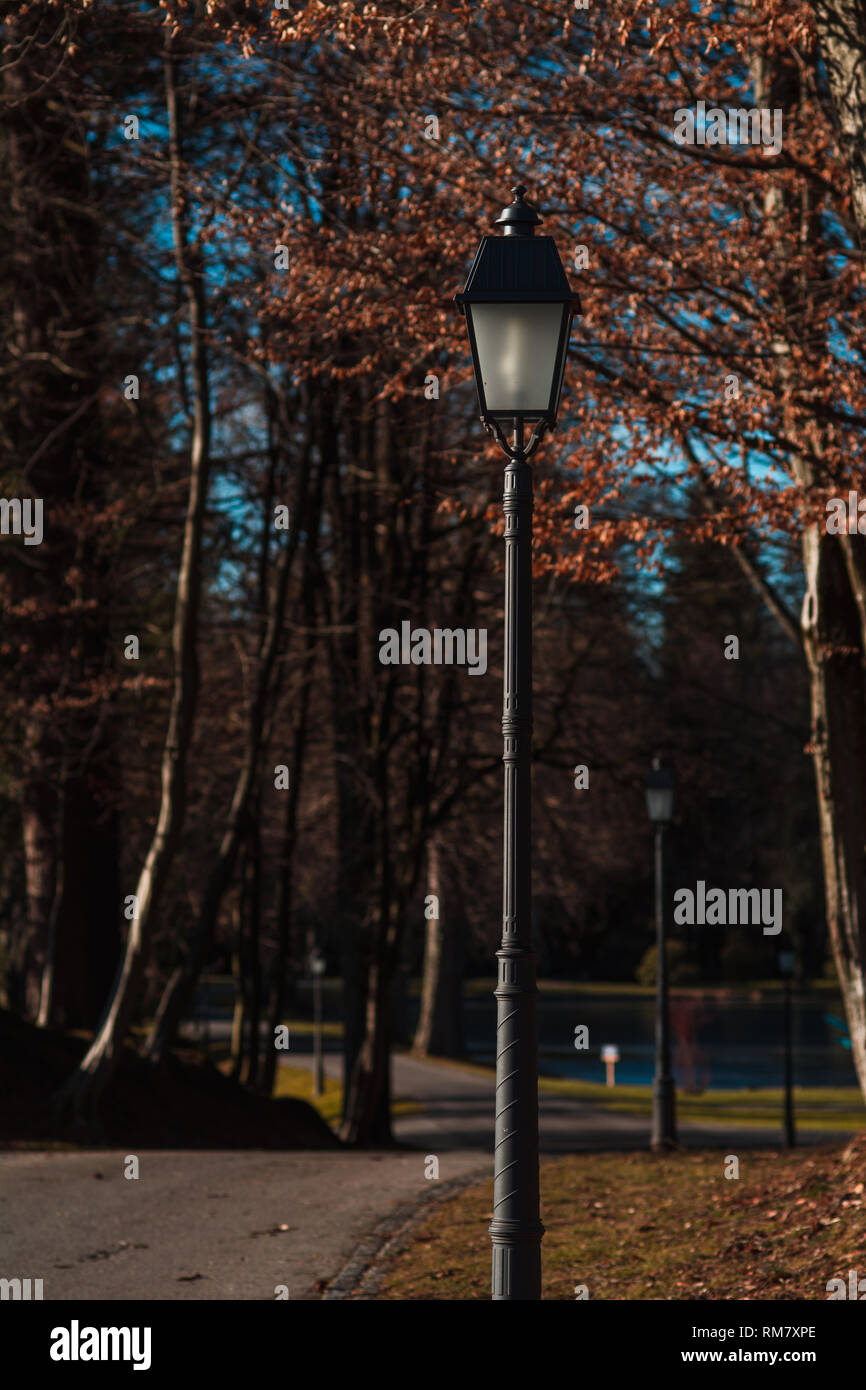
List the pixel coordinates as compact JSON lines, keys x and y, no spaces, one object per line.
{"x":317,"y":969}
{"x":789,"y":1134}
{"x":518,"y":307}
{"x":660,"y":805}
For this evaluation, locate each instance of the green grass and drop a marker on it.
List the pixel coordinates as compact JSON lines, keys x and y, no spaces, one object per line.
{"x":732,"y":989}
{"x":815,"y":1108}
{"x":484,"y":986}
{"x":641,"y":1226}
{"x":298,"y":1083}
{"x":305,"y":1027}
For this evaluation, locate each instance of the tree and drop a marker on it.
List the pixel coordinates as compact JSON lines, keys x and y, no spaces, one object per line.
{"x":84,"y":1088}
{"x":302,"y":320}
{"x":59,"y":742}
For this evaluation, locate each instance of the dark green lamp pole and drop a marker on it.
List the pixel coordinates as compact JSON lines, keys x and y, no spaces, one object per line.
{"x":660,"y":805}
{"x":519,"y":307}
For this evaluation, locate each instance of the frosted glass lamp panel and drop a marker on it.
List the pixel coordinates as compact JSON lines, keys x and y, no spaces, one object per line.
{"x":517,"y":346}
{"x":660,"y":804}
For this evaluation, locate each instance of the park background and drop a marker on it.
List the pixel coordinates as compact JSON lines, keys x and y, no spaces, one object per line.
{"x":232,"y":369}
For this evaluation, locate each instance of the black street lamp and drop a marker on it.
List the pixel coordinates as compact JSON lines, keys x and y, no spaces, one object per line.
{"x":518,"y":306}
{"x":787,"y":961}
{"x":660,"y":805}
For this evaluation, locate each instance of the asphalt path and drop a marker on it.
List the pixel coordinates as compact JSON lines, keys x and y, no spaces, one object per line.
{"x":241,"y":1225}
{"x":458,"y":1115}
{"x":198,"y":1225}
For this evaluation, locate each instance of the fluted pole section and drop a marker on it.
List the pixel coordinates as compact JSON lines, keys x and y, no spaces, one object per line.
{"x":516,"y":1229}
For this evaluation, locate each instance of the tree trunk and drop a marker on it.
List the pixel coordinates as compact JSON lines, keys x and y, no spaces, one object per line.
{"x":51,"y":424}
{"x":367,"y":1103}
{"x":82,"y":1092}
{"x":290,"y":832}
{"x":252,"y":934}
{"x":833,"y":617}
{"x":88,"y":937}
{"x":835,"y":652}
{"x":367,"y":1121}
{"x":440,"y":1021}
{"x":239,"y":1011}
{"x":40,"y":808}
{"x":841,"y":26}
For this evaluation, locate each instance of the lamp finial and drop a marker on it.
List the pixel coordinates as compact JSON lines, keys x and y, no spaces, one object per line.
{"x":519,"y":218}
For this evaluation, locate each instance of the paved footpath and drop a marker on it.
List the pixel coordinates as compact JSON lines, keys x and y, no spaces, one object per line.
{"x":202,"y":1225}
{"x":234,"y":1225}
{"x":458,"y":1114}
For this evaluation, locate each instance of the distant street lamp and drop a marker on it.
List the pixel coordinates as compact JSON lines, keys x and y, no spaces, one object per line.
{"x":660,"y":805}
{"x":610,"y":1057}
{"x":317,"y":970}
{"x":787,"y":961}
{"x":518,"y":307}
